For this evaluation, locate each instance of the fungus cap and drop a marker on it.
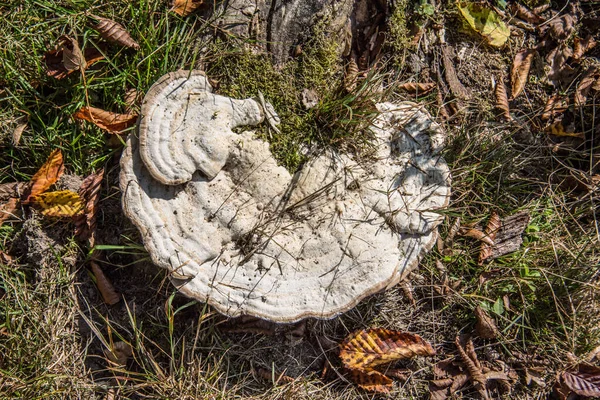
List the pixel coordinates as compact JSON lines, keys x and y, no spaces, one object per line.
{"x":241,"y":233}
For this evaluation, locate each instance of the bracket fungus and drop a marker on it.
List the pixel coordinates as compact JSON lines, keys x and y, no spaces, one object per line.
{"x":243,"y":234}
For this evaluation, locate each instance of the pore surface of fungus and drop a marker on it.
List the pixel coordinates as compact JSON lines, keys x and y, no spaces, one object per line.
{"x":243,"y":234}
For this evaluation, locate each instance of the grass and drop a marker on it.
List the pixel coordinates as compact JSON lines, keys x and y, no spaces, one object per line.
{"x":55,"y":329}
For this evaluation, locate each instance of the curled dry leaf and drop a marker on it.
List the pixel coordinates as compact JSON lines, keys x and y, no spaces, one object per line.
{"x":8,"y":209}
{"x":55,"y":66}
{"x":417,"y":88}
{"x":561,"y":28}
{"x":351,"y":75}
{"x":114,"y":32}
{"x":18,"y":131}
{"x":485,"y":326}
{"x":558,"y":129}
{"x":12,"y":189}
{"x":131,"y":98}
{"x":560,"y":71}
{"x":85,"y":224}
{"x":109,"y":121}
{"x":585,"y":85}
{"x":46,"y":176}
{"x":371,"y":380}
{"x":502,"y":100}
{"x":520,"y":71}
{"x":525,"y":13}
{"x":585,"y":381}
{"x":186,"y":7}
{"x":62,"y":203}
{"x":119,"y":354}
{"x":555,"y":105}
{"x":477,"y":234}
{"x":491,"y":230}
{"x":106,"y":289}
{"x":582,"y":46}
{"x":366,"y":349}
{"x":72,"y":57}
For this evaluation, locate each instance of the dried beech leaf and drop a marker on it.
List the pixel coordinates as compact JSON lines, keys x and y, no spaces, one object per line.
{"x":525,"y":13}
{"x":477,"y":234}
{"x":62,"y":203}
{"x":561,"y":28}
{"x":556,"y":104}
{"x":119,"y":354}
{"x":109,"y":121}
{"x":8,"y":209}
{"x":108,"y":292}
{"x":560,"y":71}
{"x":366,"y":349}
{"x":186,"y":7}
{"x":18,"y":131}
{"x":115,"y":32}
{"x":72,"y":57}
{"x":485,"y":326}
{"x":46,"y":176}
{"x":486,"y":22}
{"x":520,"y":71}
{"x":54,"y":61}
{"x":89,"y":192}
{"x":582,"y":46}
{"x":585,"y":381}
{"x":491,"y":230}
{"x":131,"y":98}
{"x":12,"y":189}
{"x":351,"y":76}
{"x":558,"y":129}
{"x":371,"y":380}
{"x":502,"y":100}
{"x":584,"y":86}
{"x":417,"y":88}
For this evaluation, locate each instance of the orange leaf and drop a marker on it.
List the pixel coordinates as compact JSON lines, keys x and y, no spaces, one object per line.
{"x":89,"y":191}
{"x":419,"y":88}
{"x":109,"y":121}
{"x":477,"y":234}
{"x":371,"y":380}
{"x":186,"y":7}
{"x":8,"y":209}
{"x":559,"y":130}
{"x":520,"y":71}
{"x":46,"y":176}
{"x":491,"y":230}
{"x":108,"y":292}
{"x":368,"y":348}
{"x":115,"y":32}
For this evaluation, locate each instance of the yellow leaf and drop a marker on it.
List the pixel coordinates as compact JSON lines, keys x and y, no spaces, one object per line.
{"x":485,"y":22}
{"x":366,"y":349}
{"x":558,"y":129}
{"x":63,"y":203}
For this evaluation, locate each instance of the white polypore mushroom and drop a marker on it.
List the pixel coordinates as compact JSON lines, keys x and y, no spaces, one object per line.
{"x":249,"y":238}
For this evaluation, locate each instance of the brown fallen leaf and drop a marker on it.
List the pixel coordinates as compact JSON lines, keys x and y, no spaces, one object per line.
{"x":417,"y":88}
{"x":131,"y":98}
{"x":109,"y":121}
{"x":272,"y":376}
{"x":106,"y":289}
{"x":561,"y":28}
{"x":449,"y":378}
{"x":555,"y":105}
{"x":582,"y":46}
{"x":485,"y":326}
{"x":585,"y":85}
{"x":525,"y":13}
{"x":476,"y":234}
{"x":114,"y":32}
{"x":371,"y":380}
{"x":502,"y":99}
{"x":490,"y":230}
{"x":584,"y":381}
{"x":54,"y":61}
{"x":366,"y":349}
{"x":9,"y":209}
{"x":12,"y":189}
{"x":85,"y":224}
{"x":119,"y":353}
{"x":520,"y":71}
{"x":62,"y":203}
{"x":46,"y":176}
{"x":186,"y":7}
{"x":73,"y":59}
{"x":559,"y":70}
{"x":351,"y":75}
{"x":18,"y":131}
{"x":558,"y":129}
{"x":535,"y":375}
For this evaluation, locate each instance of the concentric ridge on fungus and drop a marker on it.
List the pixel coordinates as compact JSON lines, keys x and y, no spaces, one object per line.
{"x":214,"y":207}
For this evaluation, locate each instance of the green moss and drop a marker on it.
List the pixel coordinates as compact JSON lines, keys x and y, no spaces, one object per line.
{"x":399,"y":33}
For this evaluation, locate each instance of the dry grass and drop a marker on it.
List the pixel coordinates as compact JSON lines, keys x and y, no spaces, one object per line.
{"x":55,"y":329}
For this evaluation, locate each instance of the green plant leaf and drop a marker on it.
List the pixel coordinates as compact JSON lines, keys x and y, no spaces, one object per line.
{"x":485,"y":22}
